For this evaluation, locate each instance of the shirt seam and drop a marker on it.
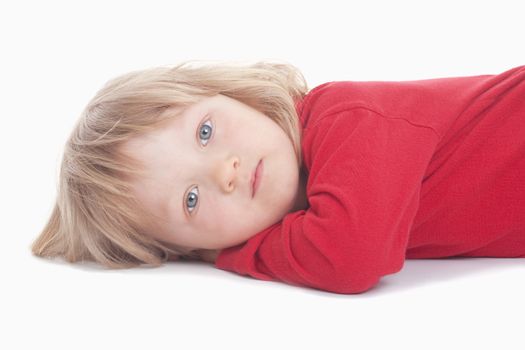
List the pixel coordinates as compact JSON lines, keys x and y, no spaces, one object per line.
{"x":349,"y":109}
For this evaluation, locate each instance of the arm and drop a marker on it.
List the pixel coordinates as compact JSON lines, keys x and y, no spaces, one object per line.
{"x":366,"y":171}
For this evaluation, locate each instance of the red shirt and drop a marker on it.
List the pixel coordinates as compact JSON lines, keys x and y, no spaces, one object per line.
{"x":399,"y":170}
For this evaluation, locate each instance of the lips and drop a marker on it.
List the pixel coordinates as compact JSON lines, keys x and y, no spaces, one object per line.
{"x":256,"y":177}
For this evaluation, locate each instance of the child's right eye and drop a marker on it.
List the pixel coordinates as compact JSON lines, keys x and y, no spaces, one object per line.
{"x":192,"y":199}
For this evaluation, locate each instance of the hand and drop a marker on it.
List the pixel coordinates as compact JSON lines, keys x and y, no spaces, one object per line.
{"x":208,"y":255}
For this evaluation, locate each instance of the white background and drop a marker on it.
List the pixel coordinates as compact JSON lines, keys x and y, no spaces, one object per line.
{"x":57,"y":54}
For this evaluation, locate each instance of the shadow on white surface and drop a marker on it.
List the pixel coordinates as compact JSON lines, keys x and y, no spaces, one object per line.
{"x":420,"y":272}
{"x":416,"y":273}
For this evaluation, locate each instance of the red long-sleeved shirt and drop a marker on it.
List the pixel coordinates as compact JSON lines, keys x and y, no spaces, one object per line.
{"x":399,"y":170}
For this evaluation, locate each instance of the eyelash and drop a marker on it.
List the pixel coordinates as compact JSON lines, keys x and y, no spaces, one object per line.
{"x":207,"y":140}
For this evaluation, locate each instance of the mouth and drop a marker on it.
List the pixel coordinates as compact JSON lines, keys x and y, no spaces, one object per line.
{"x":256,"y":177}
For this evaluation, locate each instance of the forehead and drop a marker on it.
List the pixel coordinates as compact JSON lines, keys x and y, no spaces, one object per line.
{"x":152,"y":149}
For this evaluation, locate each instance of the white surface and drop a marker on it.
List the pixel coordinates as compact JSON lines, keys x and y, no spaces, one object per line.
{"x":57,"y":54}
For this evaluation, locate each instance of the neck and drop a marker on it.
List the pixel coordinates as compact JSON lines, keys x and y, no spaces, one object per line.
{"x":301,"y":199}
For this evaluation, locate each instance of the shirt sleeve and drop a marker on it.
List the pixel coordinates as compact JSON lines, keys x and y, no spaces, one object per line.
{"x":364,"y":183}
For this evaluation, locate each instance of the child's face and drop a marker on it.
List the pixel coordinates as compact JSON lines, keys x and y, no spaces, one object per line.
{"x":201,"y":164}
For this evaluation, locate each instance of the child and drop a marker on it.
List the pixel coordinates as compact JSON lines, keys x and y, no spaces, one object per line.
{"x":330,"y":189}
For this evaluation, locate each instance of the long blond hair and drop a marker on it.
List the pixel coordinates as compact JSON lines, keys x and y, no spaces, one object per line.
{"x":95,"y":217}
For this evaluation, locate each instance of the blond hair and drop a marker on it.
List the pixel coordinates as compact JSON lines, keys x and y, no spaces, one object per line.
{"x":95,"y":217}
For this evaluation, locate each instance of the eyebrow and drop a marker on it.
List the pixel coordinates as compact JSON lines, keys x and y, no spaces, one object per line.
{"x":186,"y":217}
{"x":178,"y":205}
{"x":170,"y":207}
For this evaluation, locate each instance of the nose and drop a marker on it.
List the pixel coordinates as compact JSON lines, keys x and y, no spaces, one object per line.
{"x":227,"y":173}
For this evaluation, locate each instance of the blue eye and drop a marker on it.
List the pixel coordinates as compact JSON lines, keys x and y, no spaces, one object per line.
{"x":192,"y":199}
{"x":205,"y":131}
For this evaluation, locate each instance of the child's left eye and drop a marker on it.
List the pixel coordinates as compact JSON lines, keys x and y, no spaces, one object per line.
{"x":205,"y":130}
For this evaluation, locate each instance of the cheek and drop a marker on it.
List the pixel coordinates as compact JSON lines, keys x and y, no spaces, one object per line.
{"x":225,"y":221}
{"x":214,"y":217}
